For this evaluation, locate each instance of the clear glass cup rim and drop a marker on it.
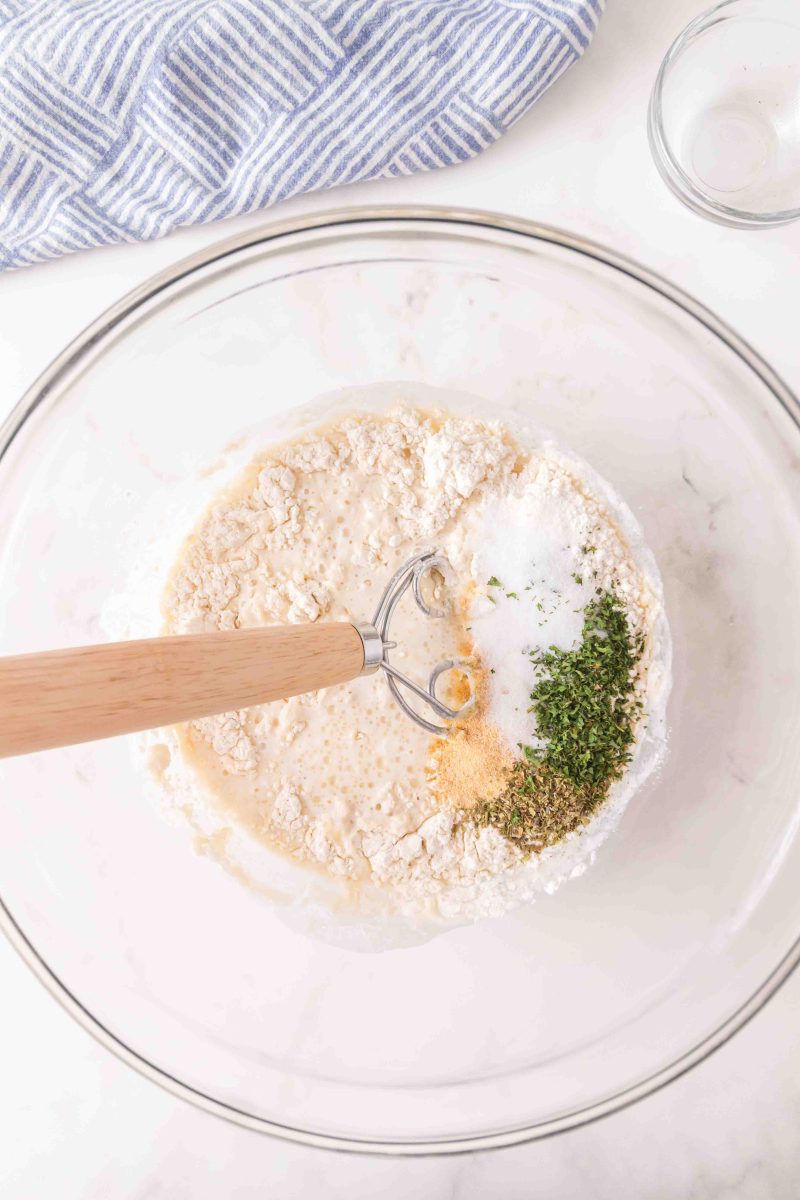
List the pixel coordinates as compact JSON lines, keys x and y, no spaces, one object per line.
{"x":669,"y":166}
{"x":70,"y":362}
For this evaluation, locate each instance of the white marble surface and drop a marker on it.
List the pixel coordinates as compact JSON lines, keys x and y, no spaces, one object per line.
{"x":76,"y":1124}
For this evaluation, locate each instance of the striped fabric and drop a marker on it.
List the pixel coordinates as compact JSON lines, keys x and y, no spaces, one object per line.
{"x":123,"y":119}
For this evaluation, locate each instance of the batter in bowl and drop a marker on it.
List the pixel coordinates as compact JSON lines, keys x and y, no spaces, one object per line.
{"x":558,"y":606}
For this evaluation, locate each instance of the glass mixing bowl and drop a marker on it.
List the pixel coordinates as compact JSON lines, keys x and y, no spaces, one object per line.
{"x":513,"y":1028}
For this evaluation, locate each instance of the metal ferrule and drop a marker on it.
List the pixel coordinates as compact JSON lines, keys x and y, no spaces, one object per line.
{"x":372,"y":642}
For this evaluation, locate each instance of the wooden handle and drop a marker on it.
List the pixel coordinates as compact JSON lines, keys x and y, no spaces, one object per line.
{"x":62,"y":697}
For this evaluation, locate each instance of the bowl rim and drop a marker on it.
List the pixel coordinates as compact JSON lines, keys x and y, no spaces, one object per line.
{"x":69,"y":361}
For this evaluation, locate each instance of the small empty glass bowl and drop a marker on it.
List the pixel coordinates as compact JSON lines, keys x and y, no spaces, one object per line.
{"x":724,"y":120}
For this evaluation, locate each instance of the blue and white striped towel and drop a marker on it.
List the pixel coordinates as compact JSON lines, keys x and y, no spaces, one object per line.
{"x":122,"y":119}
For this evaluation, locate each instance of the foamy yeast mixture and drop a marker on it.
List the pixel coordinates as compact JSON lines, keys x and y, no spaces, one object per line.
{"x":340,"y":780}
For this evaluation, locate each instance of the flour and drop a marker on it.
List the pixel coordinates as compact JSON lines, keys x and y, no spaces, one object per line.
{"x":339,"y":781}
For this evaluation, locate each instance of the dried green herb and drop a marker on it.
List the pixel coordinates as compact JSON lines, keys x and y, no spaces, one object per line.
{"x":583,"y":700}
{"x":494,"y":582}
{"x":537,"y":809}
{"x":586,"y":713}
